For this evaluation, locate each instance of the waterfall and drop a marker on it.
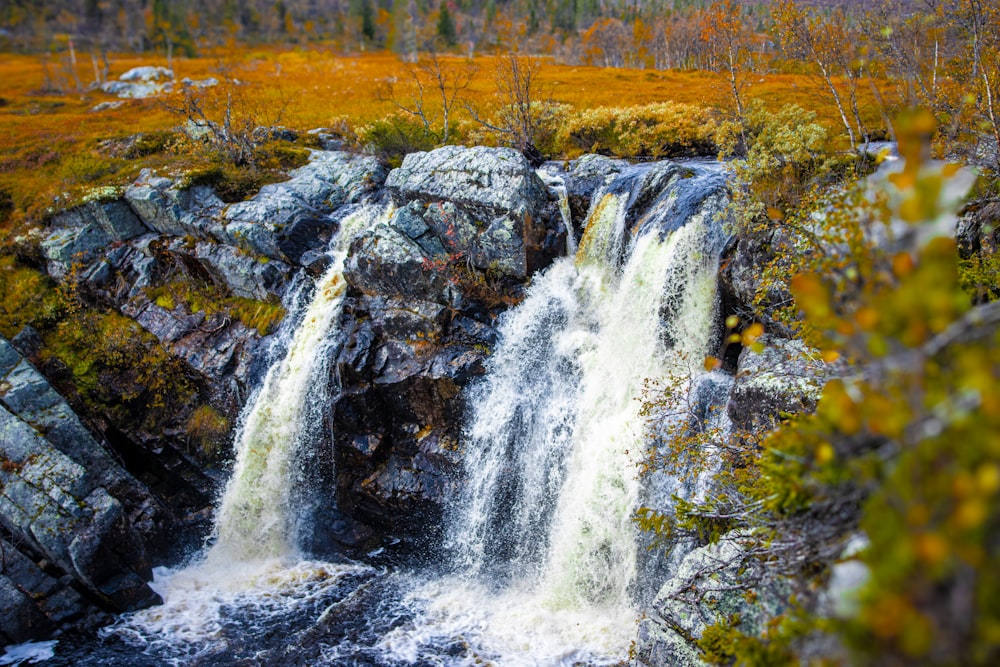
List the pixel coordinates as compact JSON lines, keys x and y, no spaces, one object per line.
{"x":253,"y":574}
{"x":543,"y":544}
{"x":543,"y":558}
{"x":256,"y":519}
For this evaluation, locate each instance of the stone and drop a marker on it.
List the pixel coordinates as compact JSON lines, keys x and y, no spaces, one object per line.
{"x":166,"y":209}
{"x":53,"y":504}
{"x":385,"y":261}
{"x":785,"y":377}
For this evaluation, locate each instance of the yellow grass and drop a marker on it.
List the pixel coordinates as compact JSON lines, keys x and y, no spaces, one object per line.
{"x":49,"y":144}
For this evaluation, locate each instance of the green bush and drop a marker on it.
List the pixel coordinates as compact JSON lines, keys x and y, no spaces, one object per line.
{"x":391,"y":138}
{"x":664,"y":129}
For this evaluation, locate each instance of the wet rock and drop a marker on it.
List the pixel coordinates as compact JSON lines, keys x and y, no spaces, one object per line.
{"x":583,"y":177}
{"x":398,"y":421}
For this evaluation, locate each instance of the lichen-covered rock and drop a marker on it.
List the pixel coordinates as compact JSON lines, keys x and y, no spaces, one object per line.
{"x":385,"y":261}
{"x":27,"y":394}
{"x":285,"y":220}
{"x":704,"y":590}
{"x":81,"y":234}
{"x":488,"y":180}
{"x":785,"y":377}
{"x":174,"y":211}
{"x":55,"y":506}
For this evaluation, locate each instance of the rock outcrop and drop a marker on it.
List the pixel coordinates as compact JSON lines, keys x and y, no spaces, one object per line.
{"x":470,"y":225}
{"x":71,"y":516}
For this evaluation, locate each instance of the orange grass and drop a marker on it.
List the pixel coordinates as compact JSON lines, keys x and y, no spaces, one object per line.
{"x":49,"y":143}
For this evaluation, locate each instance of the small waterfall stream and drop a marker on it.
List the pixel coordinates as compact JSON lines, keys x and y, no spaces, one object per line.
{"x":543,"y":555}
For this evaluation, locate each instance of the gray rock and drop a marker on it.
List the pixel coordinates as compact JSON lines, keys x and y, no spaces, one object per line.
{"x":384,"y":261}
{"x":785,"y":377}
{"x":53,"y":504}
{"x":582,"y":177}
{"x":29,"y":396}
{"x":704,"y":590}
{"x":83,"y":233}
{"x":487,"y":181}
{"x":172,"y":211}
{"x":244,"y":275}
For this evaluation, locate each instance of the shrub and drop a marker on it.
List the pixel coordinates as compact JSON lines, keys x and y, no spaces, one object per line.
{"x":391,"y":138}
{"x":659,"y":130}
{"x":29,"y":298}
{"x":117,"y":368}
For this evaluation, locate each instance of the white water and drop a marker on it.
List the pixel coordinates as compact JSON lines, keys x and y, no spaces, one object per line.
{"x":254,"y":563}
{"x":543,"y":538}
{"x":544,"y":552}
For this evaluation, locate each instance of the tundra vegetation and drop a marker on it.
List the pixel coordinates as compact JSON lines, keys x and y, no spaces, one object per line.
{"x":902,"y":450}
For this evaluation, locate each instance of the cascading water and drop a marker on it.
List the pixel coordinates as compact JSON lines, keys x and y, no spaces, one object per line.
{"x":545,"y":551}
{"x":254,"y":563}
{"x":544,"y":558}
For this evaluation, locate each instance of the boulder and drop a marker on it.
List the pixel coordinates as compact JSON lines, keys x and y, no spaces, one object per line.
{"x":55,"y":507}
{"x":486,"y":204}
{"x":489,"y":181}
{"x":785,"y":377}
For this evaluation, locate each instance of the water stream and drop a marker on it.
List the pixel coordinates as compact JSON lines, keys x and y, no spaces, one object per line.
{"x":542,"y":553}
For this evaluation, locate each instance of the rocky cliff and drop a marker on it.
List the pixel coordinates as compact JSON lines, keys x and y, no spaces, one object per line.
{"x":88,"y":502}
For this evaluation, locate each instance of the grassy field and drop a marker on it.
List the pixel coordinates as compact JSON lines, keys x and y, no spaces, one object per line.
{"x":53,"y":147}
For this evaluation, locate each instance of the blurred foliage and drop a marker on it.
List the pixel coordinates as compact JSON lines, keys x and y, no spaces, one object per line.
{"x":902,"y":453}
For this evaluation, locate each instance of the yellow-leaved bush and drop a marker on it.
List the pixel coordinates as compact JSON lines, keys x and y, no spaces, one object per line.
{"x":658,"y":130}
{"x":901,"y":458}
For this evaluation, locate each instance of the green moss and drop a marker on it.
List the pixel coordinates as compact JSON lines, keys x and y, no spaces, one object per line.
{"x":27,"y":297}
{"x":263,"y":316}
